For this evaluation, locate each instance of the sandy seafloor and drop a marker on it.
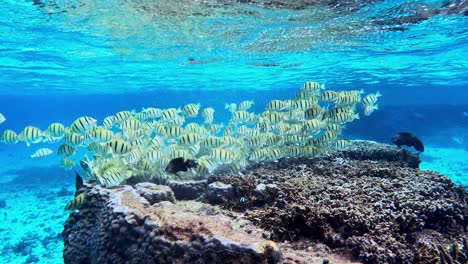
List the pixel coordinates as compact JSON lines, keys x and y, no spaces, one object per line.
{"x":35,"y":192}
{"x":452,"y":162}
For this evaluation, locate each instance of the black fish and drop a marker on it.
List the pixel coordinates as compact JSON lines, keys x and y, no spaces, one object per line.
{"x":78,"y":181}
{"x":408,"y":139}
{"x":180,"y":164}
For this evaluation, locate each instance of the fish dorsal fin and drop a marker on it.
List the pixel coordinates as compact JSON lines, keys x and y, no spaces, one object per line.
{"x":78,"y":181}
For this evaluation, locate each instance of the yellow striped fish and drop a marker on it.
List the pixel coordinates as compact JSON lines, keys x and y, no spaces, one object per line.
{"x":75,"y":203}
{"x":275,"y":105}
{"x":144,"y":165}
{"x":313,"y":112}
{"x":256,"y":141}
{"x":214,"y":128}
{"x":240,"y":117}
{"x":245,"y":105}
{"x":316,"y":142}
{"x":74,"y":139}
{"x":295,"y":115}
{"x":258,"y":155}
{"x":42,"y":152}
{"x":99,"y":149}
{"x":302,"y":104}
{"x":159,"y":129}
{"x":228,"y":141}
{"x":208,"y":114}
{"x":189,"y":139}
{"x":211,"y":142}
{"x":9,"y":137}
{"x":344,"y":117}
{"x":310,"y":151}
{"x":201,"y":170}
{"x":347,"y":100}
{"x":55,"y":130}
{"x":152,"y":112}
{"x":67,"y":163}
{"x":272,"y":139}
{"x":169,"y":114}
{"x":312,"y":86}
{"x":30,"y":134}
{"x":205,"y":166}
{"x":223,"y":155}
{"x":102,"y":135}
{"x":173,"y":131}
{"x":134,"y":156}
{"x":66,"y":150}
{"x":119,"y":146}
{"x":274,"y":154}
{"x":369,"y":109}
{"x":342,"y":143}
{"x":178,"y":121}
{"x":112,"y":176}
{"x":122,"y":116}
{"x":154,"y":155}
{"x":272,"y":118}
{"x":328,"y":136}
{"x":305,"y":95}
{"x":328,"y":96}
{"x":154,"y":143}
{"x":82,"y":124}
{"x":132,"y":123}
{"x":228,"y":130}
{"x":294,"y":139}
{"x":334,"y":127}
{"x":179,"y":152}
{"x":142,"y":116}
{"x":293,"y":151}
{"x":312,"y":126}
{"x":191,"y":110}
{"x":109,"y":122}
{"x":339,"y":110}
{"x":130,"y":134}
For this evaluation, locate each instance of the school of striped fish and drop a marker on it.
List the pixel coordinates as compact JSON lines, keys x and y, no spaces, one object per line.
{"x":139,"y":145}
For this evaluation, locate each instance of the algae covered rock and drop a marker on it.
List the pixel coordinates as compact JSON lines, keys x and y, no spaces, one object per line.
{"x":154,"y":193}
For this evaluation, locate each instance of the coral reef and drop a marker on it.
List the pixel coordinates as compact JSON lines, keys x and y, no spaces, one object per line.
{"x":368,"y":202}
{"x":378,"y":210}
{"x":120,"y":226}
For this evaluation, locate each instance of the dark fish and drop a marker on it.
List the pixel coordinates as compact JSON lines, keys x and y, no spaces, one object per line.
{"x":180,"y":164}
{"x":78,"y":181}
{"x":408,"y":139}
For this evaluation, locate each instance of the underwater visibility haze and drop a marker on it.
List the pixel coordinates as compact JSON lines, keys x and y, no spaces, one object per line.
{"x":126,"y":86}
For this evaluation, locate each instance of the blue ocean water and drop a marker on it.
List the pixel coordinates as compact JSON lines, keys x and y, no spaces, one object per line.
{"x":60,"y":60}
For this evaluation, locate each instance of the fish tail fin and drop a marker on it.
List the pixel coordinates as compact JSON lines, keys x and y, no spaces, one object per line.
{"x":376,"y":107}
{"x":356,"y":116}
{"x":378,"y":94}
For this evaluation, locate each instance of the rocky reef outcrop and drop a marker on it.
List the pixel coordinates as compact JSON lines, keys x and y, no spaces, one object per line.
{"x":367,"y":203}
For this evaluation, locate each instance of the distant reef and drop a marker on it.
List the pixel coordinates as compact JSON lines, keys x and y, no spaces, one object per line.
{"x":368,"y":203}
